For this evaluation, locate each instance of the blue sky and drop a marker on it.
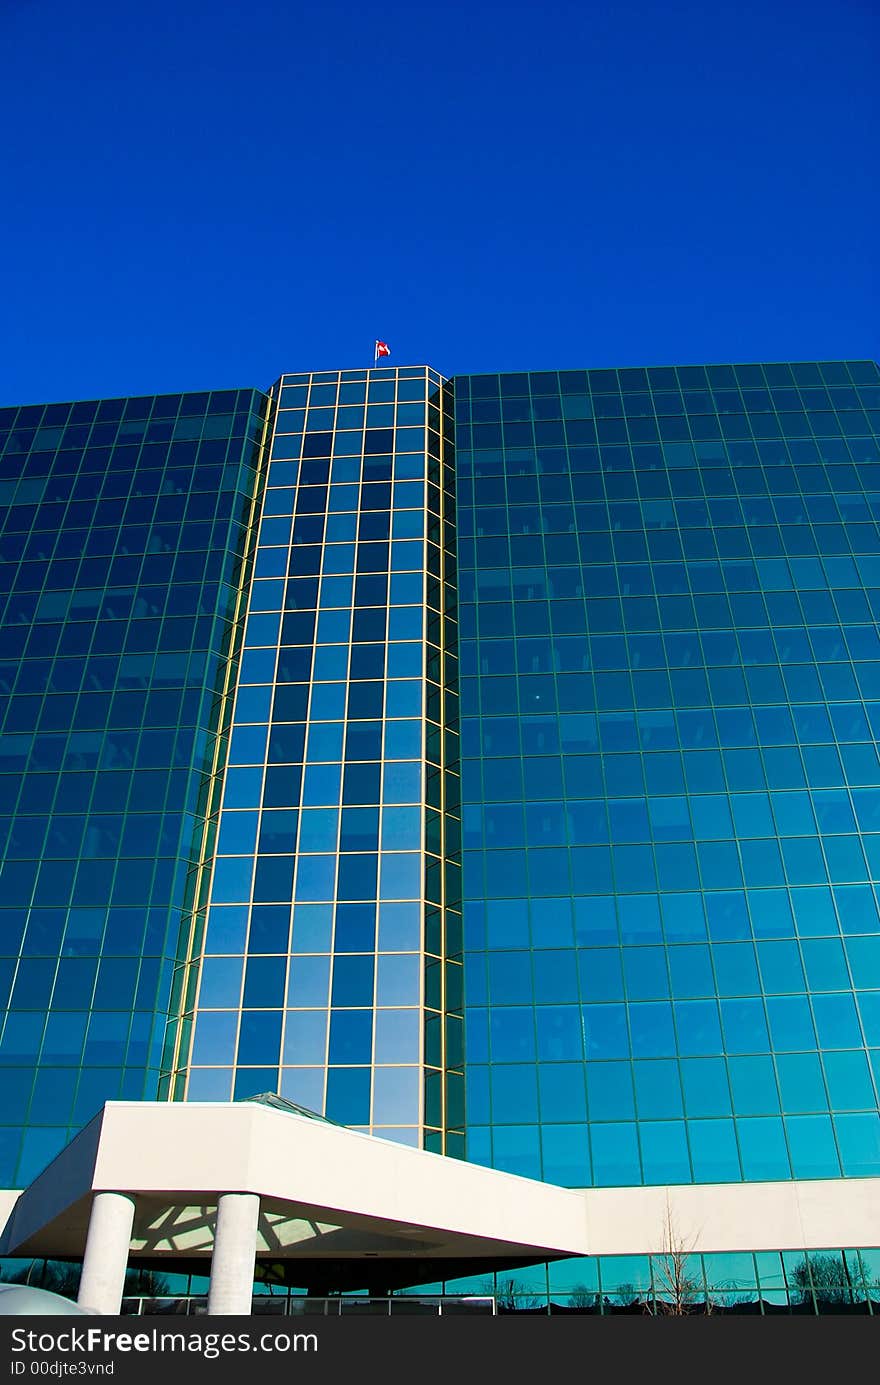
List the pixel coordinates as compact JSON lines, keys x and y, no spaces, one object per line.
{"x":208,"y":193}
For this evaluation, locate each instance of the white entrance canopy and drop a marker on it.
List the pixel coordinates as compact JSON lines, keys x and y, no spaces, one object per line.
{"x":324,"y":1190}
{"x":169,"y":1175}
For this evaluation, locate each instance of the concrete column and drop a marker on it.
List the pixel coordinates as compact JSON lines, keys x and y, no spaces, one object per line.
{"x":106,"y":1255}
{"x":235,"y":1250}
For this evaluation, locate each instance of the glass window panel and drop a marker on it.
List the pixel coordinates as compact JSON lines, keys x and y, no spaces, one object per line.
{"x":714,"y":1151}
{"x":397,"y":1036}
{"x":812,"y":1147}
{"x":305,"y":1037}
{"x":309,"y":981}
{"x":396,"y":1096}
{"x":398,"y":980}
{"x":665,"y":1155}
{"x":615,"y":1155}
{"x":351,"y":1036}
{"x":763,"y":1149}
{"x":312,"y":925}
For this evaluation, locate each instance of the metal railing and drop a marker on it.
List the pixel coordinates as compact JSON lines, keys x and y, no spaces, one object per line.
{"x":289,"y":1306}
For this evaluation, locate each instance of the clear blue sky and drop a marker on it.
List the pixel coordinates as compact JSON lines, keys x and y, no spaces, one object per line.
{"x":208,"y":192}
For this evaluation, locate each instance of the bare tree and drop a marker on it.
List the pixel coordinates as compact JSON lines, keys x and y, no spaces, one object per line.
{"x":823,"y":1276}
{"x":627,"y":1294}
{"x":512,"y":1298}
{"x":678,"y":1288}
{"x":54,"y":1275}
{"x":582,"y":1297}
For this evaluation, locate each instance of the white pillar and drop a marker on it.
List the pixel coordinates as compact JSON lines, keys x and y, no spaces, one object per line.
{"x":235,"y":1250}
{"x":106,"y":1255}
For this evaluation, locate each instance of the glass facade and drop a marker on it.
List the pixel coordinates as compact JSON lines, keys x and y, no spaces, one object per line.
{"x":766,"y":1283}
{"x":123,"y":531}
{"x":241,"y":636}
{"x":331,"y":966}
{"x":669,"y":588}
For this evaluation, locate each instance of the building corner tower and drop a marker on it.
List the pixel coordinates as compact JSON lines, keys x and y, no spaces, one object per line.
{"x":326,"y":962}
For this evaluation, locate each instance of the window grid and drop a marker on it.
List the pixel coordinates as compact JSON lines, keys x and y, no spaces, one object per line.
{"x":121,"y":534}
{"x":670,"y":667}
{"x":316,"y":603}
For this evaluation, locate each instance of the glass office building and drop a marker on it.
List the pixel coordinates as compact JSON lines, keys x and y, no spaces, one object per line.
{"x":124,"y":555}
{"x":245,"y":854}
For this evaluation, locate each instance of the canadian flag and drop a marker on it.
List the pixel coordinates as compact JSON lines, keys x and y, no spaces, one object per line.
{"x":382,"y":349}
